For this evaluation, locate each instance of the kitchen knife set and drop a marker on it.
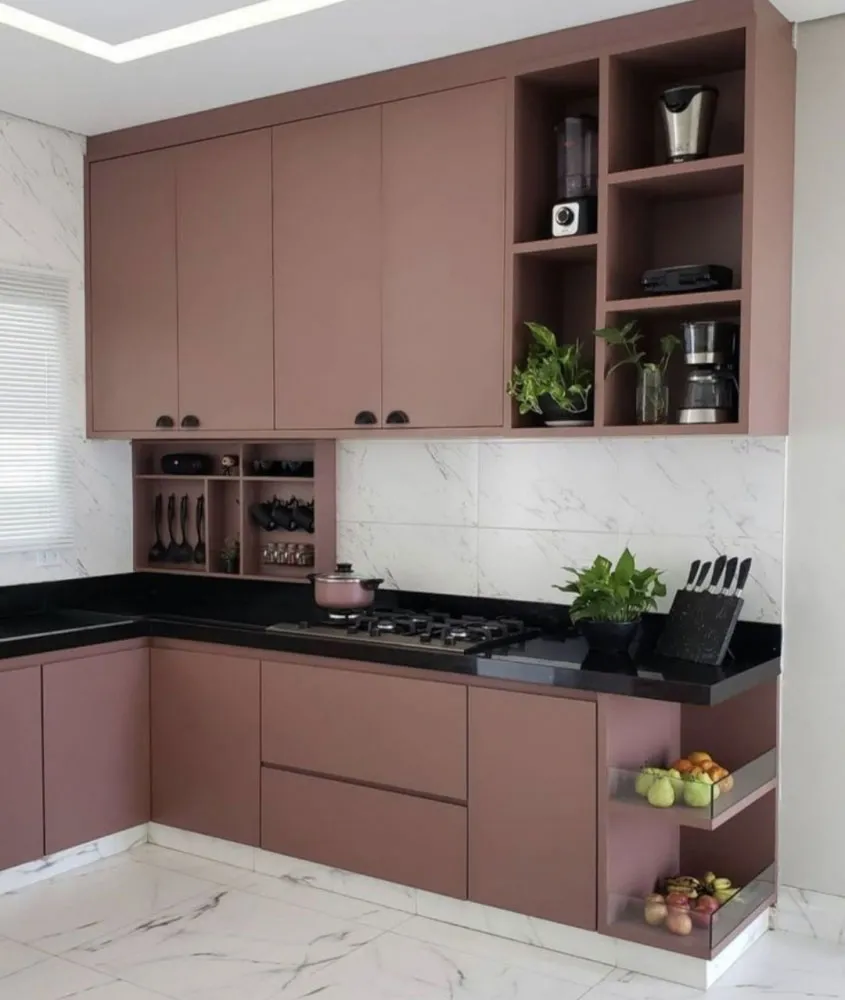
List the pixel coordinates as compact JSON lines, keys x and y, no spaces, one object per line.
{"x":178,"y":551}
{"x":704,"y":613}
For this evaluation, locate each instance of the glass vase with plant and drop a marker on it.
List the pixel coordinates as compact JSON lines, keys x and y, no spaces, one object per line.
{"x":230,"y":555}
{"x":652,"y":400}
{"x":554,"y":381}
{"x":611,"y":600}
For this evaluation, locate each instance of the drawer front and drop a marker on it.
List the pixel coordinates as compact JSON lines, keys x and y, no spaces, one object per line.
{"x":392,"y":731}
{"x":388,"y":835}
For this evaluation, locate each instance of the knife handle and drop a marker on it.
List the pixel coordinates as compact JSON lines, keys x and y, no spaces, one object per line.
{"x":695,"y":565}
{"x":744,"y":570}
{"x":718,"y":569}
{"x":702,"y":576}
{"x":730,"y":573}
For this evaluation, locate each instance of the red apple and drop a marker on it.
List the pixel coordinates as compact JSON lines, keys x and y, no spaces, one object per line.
{"x":679,"y":922}
{"x":703,"y":911}
{"x":678,"y":901}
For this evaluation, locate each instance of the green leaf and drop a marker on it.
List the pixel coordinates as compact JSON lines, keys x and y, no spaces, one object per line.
{"x":543,"y":335}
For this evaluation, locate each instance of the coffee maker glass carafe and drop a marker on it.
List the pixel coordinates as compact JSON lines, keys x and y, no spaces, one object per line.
{"x":577,"y":158}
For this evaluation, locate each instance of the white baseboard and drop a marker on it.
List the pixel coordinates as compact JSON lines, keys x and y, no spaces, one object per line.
{"x":73,"y":857}
{"x":683,"y":969}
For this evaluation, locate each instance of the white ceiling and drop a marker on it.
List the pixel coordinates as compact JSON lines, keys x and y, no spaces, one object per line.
{"x":51,"y":83}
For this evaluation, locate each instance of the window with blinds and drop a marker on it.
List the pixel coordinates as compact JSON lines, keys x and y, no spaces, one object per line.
{"x":36,"y":485}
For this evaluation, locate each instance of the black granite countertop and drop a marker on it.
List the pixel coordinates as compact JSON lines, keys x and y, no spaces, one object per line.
{"x":48,"y":617}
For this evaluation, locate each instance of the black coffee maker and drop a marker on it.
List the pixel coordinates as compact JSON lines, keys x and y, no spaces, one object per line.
{"x":574,"y":213}
{"x":711,"y":394}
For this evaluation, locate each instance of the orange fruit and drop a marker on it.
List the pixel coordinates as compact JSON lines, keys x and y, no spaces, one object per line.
{"x":698,"y":757}
{"x":717,"y":773}
{"x":683,"y":765}
{"x":710,"y":766}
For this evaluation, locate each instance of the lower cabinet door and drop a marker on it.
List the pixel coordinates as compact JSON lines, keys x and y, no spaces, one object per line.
{"x":205,"y":743}
{"x":389,"y":835}
{"x":22,"y":828}
{"x":532,"y":805}
{"x":96,"y":746}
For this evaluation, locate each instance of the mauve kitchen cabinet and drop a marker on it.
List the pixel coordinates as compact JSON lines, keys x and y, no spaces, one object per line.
{"x":22,"y":829}
{"x":205,"y":743}
{"x":225,"y":255}
{"x":396,"y":732}
{"x":443,"y":257}
{"x":327,"y":271}
{"x":532,"y":805}
{"x":133,"y":354}
{"x":96,"y":746}
{"x":401,"y":838}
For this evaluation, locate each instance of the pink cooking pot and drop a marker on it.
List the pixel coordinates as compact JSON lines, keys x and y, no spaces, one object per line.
{"x":343,"y":590}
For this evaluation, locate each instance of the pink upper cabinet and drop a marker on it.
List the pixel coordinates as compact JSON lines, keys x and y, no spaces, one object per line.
{"x":132,"y":292}
{"x":327,"y":270}
{"x":225,"y":253}
{"x":443,"y":258}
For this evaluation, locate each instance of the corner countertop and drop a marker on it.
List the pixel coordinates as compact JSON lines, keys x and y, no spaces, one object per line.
{"x":547,"y":662}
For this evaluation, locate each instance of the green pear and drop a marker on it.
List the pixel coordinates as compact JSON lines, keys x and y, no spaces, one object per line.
{"x":698,"y":794}
{"x":645,"y":779}
{"x":661,"y":794}
{"x":677,"y":782}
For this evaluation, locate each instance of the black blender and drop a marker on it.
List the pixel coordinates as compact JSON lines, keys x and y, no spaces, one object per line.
{"x":575,"y":213}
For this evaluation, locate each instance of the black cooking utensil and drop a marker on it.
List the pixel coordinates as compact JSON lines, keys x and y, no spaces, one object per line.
{"x":716,"y":578}
{"x":694,"y":567}
{"x":157,"y":551}
{"x":730,"y":573}
{"x":170,"y":553}
{"x":199,"y":551}
{"x":744,"y":570}
{"x":701,"y":582}
{"x":184,"y":550}
{"x":260,"y":514}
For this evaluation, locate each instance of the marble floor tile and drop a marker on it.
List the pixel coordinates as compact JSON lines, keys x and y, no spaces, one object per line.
{"x":71,"y":909}
{"x":189,"y":864}
{"x":15,"y":956}
{"x":226,"y":945}
{"x":54,"y":979}
{"x":394,"y":967}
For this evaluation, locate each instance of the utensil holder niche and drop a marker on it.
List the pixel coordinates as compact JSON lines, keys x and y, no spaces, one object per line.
{"x":261,"y":471}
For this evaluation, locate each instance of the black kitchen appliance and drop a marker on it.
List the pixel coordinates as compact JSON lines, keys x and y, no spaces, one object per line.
{"x":187,"y":464}
{"x":687,"y":278}
{"x":575,"y":212}
{"x":688,"y":113}
{"x":711,"y":393}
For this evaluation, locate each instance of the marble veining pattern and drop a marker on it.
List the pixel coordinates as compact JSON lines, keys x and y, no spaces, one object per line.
{"x":42,"y":226}
{"x":502,"y":518}
{"x":143,"y":927}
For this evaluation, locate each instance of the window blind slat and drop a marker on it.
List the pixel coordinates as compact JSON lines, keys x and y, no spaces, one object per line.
{"x":36,"y":464}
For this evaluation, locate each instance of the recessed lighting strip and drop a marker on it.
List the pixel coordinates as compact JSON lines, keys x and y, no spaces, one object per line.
{"x":251,"y":16}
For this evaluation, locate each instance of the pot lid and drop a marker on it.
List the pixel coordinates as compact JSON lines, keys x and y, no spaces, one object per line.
{"x":342,"y":572}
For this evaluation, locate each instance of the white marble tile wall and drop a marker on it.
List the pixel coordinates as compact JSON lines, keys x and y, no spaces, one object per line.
{"x":501,"y":518}
{"x":41,"y":225}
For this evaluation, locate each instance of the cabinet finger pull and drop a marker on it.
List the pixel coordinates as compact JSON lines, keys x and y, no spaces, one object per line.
{"x":398,"y":417}
{"x":165,"y":421}
{"x":190,"y":421}
{"x":366,"y":417}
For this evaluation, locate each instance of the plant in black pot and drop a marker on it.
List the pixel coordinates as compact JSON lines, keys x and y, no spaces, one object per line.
{"x":611,"y":600}
{"x":554,"y":382}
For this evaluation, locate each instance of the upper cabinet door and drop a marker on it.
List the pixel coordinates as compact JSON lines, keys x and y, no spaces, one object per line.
{"x":224,"y":232}
{"x":327,"y":236}
{"x":132,"y":268}
{"x":444,"y":246}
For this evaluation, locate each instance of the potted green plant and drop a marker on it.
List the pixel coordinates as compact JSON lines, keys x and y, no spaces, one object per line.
{"x":611,"y":600}
{"x":652,"y":390}
{"x":230,"y":555}
{"x":554,"y":382}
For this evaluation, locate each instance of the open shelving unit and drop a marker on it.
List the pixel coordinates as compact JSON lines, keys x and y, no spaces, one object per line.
{"x":227,"y":502}
{"x":735,"y":836}
{"x":658,"y":214}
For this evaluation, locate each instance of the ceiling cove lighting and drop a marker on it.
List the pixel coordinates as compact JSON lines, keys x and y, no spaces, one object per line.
{"x":252,"y":16}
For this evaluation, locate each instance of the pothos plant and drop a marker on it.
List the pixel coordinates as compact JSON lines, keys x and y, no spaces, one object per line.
{"x":628,"y":338}
{"x":608,"y":593}
{"x":551,"y":370}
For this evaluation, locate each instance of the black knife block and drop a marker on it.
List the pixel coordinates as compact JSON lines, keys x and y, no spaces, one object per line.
{"x":700,"y":627}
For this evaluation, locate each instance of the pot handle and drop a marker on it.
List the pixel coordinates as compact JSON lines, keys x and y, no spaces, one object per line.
{"x":311,"y":577}
{"x":371,"y":584}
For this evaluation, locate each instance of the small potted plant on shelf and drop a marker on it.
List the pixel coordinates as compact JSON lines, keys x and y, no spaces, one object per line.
{"x":230,"y":555}
{"x":554,"y":382}
{"x":611,"y":600}
{"x":652,"y":390}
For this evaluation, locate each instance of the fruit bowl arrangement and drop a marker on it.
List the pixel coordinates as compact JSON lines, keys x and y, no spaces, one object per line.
{"x":695,"y":780}
{"x":683,"y":902}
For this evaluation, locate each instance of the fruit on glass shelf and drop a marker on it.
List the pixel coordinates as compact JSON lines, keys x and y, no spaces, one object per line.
{"x":678,"y":922}
{"x":655,"y":909}
{"x":683,"y":765}
{"x":723,"y":777}
{"x":698,"y":757}
{"x":708,"y":879}
{"x":686,"y":885}
{"x":661,"y":794}
{"x":703,"y":911}
{"x":645,"y":779}
{"x":722,"y":883}
{"x":725,"y":895}
{"x":679,"y":901}
{"x":700,"y":792}
{"x":677,"y":782}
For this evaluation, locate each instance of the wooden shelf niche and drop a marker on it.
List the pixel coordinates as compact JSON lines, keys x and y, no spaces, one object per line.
{"x":227,"y":503}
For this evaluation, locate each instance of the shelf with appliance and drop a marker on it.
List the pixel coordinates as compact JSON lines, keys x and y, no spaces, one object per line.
{"x":217,"y":512}
{"x":718,"y":175}
{"x":576,"y":249}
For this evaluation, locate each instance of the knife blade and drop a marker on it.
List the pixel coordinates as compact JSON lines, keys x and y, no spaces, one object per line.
{"x":715,"y":579}
{"x":730,"y":573}
{"x":701,"y":582}
{"x":742,"y":579}
{"x":693,"y":573}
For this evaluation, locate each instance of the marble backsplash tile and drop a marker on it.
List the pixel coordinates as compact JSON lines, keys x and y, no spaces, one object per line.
{"x":501,"y":518}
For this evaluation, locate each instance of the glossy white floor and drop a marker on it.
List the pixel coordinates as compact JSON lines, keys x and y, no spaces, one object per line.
{"x":156,"y":923}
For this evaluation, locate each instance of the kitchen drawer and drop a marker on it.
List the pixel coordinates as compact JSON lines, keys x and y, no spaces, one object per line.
{"x":389,"y":835}
{"x":392,"y":731}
